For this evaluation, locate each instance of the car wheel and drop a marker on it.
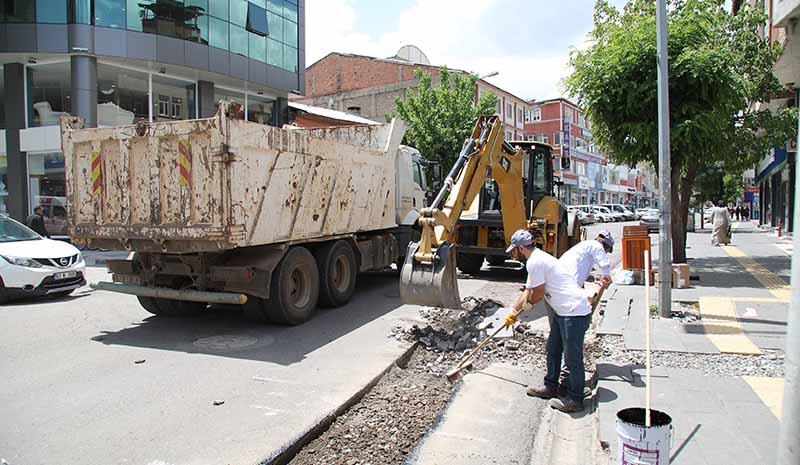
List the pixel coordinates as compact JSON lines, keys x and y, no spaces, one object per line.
{"x":3,"y":293}
{"x":294,"y":290}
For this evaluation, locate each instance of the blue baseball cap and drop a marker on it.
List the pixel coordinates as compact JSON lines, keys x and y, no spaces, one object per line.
{"x":521,"y":238}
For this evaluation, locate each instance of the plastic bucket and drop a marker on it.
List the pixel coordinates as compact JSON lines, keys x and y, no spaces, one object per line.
{"x":640,"y":445}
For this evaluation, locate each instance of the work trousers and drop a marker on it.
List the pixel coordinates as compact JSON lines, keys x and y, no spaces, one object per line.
{"x":566,"y":340}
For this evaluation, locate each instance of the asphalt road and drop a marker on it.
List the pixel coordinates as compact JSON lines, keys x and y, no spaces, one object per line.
{"x":73,"y":392}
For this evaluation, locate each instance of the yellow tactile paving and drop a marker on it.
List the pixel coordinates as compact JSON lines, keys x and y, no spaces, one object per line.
{"x":722,"y":327}
{"x":769,"y":390}
{"x":774,"y":284}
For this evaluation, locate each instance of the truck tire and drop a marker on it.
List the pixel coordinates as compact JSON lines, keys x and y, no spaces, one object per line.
{"x":294,"y":290}
{"x":337,"y":267}
{"x":496,"y":260}
{"x":469,"y":263}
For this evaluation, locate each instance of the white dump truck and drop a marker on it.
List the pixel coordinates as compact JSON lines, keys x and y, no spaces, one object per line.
{"x":222,"y":210}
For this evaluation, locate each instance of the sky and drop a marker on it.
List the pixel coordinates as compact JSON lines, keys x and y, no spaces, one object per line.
{"x":526,"y":42}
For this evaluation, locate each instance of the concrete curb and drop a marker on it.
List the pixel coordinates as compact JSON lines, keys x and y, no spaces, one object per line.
{"x":290,"y":450}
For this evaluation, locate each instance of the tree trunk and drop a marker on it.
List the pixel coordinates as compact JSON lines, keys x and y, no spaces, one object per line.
{"x":682,"y":187}
{"x":678,"y":217}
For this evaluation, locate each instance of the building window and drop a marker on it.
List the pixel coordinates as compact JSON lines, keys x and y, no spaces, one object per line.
{"x":499,"y":107}
{"x":259,"y":109}
{"x":581,"y":121}
{"x":218,"y":33}
{"x":257,"y":20}
{"x":18,"y":11}
{"x":109,"y":13}
{"x":80,"y":11}
{"x":218,"y":9}
{"x":258,"y":47}
{"x":122,"y":96}
{"x":537,"y":114}
{"x":527,"y":115}
{"x":176,"y":98}
{"x":163,"y":106}
{"x":520,"y":115}
{"x":544,"y":138}
{"x":509,"y":110}
{"x":556,"y":138}
{"x":238,"y":40}
{"x":47,"y":187}
{"x":238,"y":12}
{"x":509,"y":135}
{"x":51,"y":11}
{"x":2,"y":108}
{"x":530,"y":138}
{"x":48,"y":93}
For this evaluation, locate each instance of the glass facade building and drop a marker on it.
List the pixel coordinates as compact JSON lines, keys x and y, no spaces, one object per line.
{"x":122,"y":62}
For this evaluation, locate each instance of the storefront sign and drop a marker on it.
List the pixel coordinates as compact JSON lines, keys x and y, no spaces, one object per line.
{"x":566,"y":139}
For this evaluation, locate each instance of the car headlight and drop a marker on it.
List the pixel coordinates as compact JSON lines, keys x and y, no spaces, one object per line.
{"x":22,"y":261}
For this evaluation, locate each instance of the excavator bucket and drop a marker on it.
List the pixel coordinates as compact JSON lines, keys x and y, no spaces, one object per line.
{"x":430,"y":284}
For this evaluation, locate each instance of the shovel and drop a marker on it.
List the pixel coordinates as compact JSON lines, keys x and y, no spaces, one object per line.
{"x":466,"y":363}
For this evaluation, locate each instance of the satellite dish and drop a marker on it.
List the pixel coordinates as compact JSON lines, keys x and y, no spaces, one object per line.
{"x":413,"y":54}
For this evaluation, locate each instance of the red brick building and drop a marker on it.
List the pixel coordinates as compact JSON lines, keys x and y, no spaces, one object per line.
{"x":367,"y":86}
{"x":590,"y":179}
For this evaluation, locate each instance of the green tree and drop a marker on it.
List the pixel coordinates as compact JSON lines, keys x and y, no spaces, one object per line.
{"x":719,"y":67}
{"x":441,"y":117}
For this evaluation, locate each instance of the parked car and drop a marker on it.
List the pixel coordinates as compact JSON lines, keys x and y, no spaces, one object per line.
{"x":619,"y":211}
{"x":650,"y":219}
{"x":603,"y":214}
{"x":641,"y":211}
{"x":585,"y":217}
{"x":31,"y":265}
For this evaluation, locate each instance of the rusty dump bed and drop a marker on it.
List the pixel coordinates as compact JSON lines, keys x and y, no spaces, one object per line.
{"x":221,"y":183}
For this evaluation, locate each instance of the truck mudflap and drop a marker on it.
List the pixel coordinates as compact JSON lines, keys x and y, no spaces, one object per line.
{"x":172,"y":294}
{"x":431,"y":284}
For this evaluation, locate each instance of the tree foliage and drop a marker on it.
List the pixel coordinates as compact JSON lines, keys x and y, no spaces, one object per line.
{"x":719,"y":67}
{"x":441,"y":117}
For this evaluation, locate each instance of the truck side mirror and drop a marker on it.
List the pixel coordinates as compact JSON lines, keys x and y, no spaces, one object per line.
{"x":557,"y":181}
{"x":565,"y":163}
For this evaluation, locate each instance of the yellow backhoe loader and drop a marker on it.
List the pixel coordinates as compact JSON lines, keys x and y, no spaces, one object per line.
{"x":460,"y":228}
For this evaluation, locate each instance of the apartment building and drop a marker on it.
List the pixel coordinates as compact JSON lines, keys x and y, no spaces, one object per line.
{"x":591,"y":178}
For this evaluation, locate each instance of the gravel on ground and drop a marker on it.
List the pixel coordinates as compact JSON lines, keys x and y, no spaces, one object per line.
{"x":771,"y":363}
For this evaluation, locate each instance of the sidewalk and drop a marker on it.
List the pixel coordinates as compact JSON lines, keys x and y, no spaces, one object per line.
{"x":719,"y":377}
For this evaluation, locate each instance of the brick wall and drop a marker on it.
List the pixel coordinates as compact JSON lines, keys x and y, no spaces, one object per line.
{"x":343,"y":73}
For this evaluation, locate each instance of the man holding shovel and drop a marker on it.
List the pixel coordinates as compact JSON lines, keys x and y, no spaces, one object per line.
{"x":549,"y":280}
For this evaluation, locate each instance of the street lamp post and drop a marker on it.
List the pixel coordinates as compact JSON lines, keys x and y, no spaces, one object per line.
{"x":492,"y":74}
{"x":665,"y":221}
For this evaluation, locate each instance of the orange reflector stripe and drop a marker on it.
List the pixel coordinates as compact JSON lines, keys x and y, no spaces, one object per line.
{"x":185,"y":162}
{"x":97,"y":173}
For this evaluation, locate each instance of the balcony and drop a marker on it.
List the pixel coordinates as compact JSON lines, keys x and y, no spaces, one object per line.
{"x":784,"y":11}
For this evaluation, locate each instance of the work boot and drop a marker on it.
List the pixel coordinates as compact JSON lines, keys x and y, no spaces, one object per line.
{"x":542,"y":392}
{"x":566,"y":405}
{"x":562,"y":391}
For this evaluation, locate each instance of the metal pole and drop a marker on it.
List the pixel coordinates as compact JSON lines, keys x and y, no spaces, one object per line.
{"x":665,"y":222}
{"x":788,"y":449}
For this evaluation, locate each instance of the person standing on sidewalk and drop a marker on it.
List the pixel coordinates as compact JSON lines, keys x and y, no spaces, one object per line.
{"x":721,"y":224}
{"x":549,"y":280}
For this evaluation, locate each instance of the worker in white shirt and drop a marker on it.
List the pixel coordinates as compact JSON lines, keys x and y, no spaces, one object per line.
{"x":583,"y":256}
{"x":578,"y":261}
{"x":548,"y":280}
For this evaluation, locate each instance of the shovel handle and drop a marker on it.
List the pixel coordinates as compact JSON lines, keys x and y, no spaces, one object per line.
{"x":479,"y":346}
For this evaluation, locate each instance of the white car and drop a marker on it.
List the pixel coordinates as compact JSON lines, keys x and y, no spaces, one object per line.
{"x":603,"y":215}
{"x":31,"y":265}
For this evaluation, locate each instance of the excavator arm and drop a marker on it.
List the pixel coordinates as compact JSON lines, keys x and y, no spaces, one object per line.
{"x":428,"y":276}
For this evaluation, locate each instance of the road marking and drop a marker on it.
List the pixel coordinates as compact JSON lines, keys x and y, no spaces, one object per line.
{"x":769,"y":390}
{"x":722,"y":327}
{"x":787,"y":248}
{"x":774,"y":284}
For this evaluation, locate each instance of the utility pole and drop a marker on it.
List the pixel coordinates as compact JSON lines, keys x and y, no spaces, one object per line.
{"x":665,"y":221}
{"x":788,"y":449}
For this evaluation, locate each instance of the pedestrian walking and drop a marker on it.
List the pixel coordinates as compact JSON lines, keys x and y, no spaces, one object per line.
{"x":721,"y":223}
{"x":36,"y":222}
{"x":549,"y":280}
{"x":738,"y":212}
{"x":746,"y":213}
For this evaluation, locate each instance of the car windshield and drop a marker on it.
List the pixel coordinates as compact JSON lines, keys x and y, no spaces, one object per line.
{"x":11,"y":231}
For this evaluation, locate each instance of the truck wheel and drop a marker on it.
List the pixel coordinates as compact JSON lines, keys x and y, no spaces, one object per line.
{"x":496,"y":260}
{"x":294,"y":290}
{"x":149,"y":304}
{"x":563,"y":238}
{"x":469,"y":263}
{"x":336,"y":263}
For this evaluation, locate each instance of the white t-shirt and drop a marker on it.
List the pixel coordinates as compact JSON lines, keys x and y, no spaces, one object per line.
{"x":580,"y":259}
{"x":560,"y":289}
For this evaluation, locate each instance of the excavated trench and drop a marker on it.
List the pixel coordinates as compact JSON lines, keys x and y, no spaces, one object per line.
{"x":383,"y":426}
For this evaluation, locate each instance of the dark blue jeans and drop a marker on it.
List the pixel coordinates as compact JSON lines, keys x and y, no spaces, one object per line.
{"x":566,"y":339}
